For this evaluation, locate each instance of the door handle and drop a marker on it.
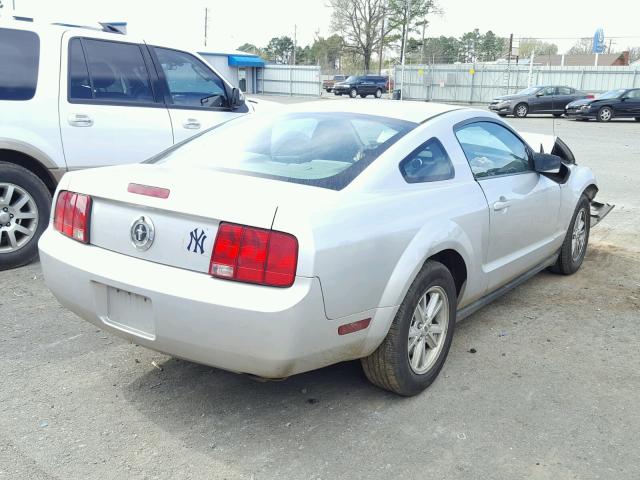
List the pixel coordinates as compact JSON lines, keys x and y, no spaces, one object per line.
{"x":80,"y":120}
{"x":191,"y":124}
{"x":501,"y":204}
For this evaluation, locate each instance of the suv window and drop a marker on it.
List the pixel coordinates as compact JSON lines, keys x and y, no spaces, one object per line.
{"x":428,"y":163}
{"x":79,"y":82}
{"x":190,"y":82}
{"x":492,"y":150}
{"x":117,"y":72}
{"x":19,"y":57}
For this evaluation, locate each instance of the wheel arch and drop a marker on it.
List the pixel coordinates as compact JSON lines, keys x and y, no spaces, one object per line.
{"x":28,"y":162}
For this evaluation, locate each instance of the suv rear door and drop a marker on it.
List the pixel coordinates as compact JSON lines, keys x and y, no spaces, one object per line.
{"x":110,"y":107}
{"x":196,"y":97}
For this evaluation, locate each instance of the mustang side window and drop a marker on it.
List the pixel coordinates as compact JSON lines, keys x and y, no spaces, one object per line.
{"x":428,"y":163}
{"x":492,"y":150}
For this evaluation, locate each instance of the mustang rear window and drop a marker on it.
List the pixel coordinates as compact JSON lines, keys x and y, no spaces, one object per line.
{"x":321,"y":149}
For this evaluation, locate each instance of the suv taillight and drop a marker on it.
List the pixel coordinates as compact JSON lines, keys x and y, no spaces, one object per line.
{"x":254,"y":255}
{"x":71,"y":216}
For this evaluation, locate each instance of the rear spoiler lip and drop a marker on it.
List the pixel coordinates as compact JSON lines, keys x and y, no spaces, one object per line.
{"x":599,"y":211}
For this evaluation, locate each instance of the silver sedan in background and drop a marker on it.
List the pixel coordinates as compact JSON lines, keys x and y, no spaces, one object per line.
{"x":280,"y":243}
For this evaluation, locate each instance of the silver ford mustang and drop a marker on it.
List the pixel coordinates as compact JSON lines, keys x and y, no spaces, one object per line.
{"x":280,"y":243}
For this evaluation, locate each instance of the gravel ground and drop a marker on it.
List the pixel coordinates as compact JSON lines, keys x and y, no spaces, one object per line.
{"x":551,"y":392}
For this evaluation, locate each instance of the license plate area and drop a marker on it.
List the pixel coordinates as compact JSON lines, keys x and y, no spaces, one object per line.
{"x":128,"y":311}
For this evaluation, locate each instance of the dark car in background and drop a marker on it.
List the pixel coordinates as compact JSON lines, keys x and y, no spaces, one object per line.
{"x":541,"y":99}
{"x":619,"y":103}
{"x":362,"y":85}
{"x":329,"y":83}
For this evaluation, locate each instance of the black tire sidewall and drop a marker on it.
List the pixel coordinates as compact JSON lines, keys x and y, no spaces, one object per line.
{"x":569,"y":265}
{"x":434,"y":274}
{"x":353,"y":93}
{"x":378,"y":93}
{"x":42,"y":197}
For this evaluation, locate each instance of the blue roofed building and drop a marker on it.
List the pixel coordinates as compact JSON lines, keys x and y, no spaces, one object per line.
{"x":240,"y":68}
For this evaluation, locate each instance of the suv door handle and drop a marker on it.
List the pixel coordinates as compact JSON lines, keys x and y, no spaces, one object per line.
{"x":501,"y":204}
{"x":80,"y":120}
{"x":191,"y":124}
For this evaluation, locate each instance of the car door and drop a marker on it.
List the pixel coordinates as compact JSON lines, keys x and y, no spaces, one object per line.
{"x":564,"y":96}
{"x":542,"y":101}
{"x":196,"y":96}
{"x":629,"y":104}
{"x":524,"y":205}
{"x":110,"y":111}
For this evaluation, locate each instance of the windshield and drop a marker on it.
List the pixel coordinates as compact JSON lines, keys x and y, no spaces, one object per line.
{"x":322,"y":149}
{"x":611,"y":94}
{"x":353,"y":78}
{"x":528,"y":91}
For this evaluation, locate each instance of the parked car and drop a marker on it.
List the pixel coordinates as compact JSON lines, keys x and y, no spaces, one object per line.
{"x":329,"y":83}
{"x":539,"y":99}
{"x":277,"y":244}
{"x":362,"y":85}
{"x":73,"y":98}
{"x":619,"y":103}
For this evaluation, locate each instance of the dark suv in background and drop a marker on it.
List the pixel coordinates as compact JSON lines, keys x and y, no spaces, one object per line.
{"x":362,"y":85}
{"x":540,"y":99}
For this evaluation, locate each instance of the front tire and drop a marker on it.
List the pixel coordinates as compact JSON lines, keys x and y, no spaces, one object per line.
{"x":574,"y":247}
{"x":557,"y":115}
{"x":25,"y":203}
{"x":411,"y":356}
{"x":637,"y":119}
{"x":521,"y":110}
{"x":353,"y":93}
{"x":605,"y":114}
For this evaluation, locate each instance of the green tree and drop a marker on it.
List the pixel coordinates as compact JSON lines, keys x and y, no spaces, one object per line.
{"x":405,"y":17}
{"x":442,"y":49}
{"x":492,"y":47}
{"x":280,"y":49}
{"x":250,"y":48}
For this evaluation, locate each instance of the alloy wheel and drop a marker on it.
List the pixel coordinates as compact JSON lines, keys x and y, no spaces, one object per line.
{"x":428,"y":329}
{"x":605,"y":114}
{"x":579,"y":235}
{"x":18,"y":217}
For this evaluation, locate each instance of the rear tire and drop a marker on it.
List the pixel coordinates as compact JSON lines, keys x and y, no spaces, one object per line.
{"x":605,"y":114}
{"x":574,"y":247}
{"x":521,"y":110}
{"x":378,"y":93}
{"x":363,"y":95}
{"x":637,"y":119}
{"x":337,"y":93}
{"x":557,"y":115}
{"x":22,"y":223}
{"x":416,"y":346}
{"x":353,"y":93}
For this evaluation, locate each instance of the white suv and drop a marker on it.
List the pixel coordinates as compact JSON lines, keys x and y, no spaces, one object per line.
{"x":77,"y":97}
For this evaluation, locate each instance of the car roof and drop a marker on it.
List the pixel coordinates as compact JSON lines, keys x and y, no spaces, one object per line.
{"x":416,"y":112}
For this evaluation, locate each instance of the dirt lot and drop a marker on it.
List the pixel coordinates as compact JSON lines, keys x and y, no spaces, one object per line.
{"x":552,"y":392}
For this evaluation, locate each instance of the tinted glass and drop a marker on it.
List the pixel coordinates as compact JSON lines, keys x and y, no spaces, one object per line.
{"x":549,"y":91}
{"x":353,"y":78}
{"x":320,"y":149}
{"x":19,"y":57}
{"x":430,"y":163}
{"x":611,"y":94}
{"x":528,"y":91}
{"x":565,"y":91}
{"x":118,"y":72}
{"x":79,"y":83}
{"x":190,"y":82}
{"x":492,"y":150}
{"x":635,"y":94}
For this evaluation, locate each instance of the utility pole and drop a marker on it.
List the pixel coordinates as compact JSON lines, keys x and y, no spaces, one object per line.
{"x":206,"y":24}
{"x":295,"y":42}
{"x":509,"y":62}
{"x":384,"y":13}
{"x":404,"y":48}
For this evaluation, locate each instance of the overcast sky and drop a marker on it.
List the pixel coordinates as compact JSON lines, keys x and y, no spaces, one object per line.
{"x":256,"y":21}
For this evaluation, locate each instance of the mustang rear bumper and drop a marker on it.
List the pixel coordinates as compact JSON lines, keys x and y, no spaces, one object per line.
{"x":265,"y":331}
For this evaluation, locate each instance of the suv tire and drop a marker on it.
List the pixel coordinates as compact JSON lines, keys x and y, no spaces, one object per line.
{"x":378,"y":93}
{"x":353,"y":93}
{"x":392,"y":365}
{"x":25,"y":201}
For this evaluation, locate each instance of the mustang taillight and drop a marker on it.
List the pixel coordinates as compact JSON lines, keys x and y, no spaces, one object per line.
{"x":254,"y":255}
{"x":71,"y":215}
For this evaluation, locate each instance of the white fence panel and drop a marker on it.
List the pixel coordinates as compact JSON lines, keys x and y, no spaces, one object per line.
{"x":480,"y":83}
{"x":290,"y":80}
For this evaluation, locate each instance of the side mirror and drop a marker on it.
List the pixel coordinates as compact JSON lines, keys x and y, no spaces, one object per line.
{"x":540,"y":93}
{"x":236,"y":99}
{"x":546,"y":163}
{"x":623,"y":99}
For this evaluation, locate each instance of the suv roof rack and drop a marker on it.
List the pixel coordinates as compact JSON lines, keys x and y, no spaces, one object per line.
{"x":105,"y":27}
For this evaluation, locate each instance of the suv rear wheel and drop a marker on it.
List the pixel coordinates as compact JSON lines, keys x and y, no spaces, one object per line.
{"x":25,"y":203}
{"x":378,"y":93}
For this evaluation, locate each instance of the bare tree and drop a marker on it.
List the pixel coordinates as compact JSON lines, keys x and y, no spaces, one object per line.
{"x":359,"y":21}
